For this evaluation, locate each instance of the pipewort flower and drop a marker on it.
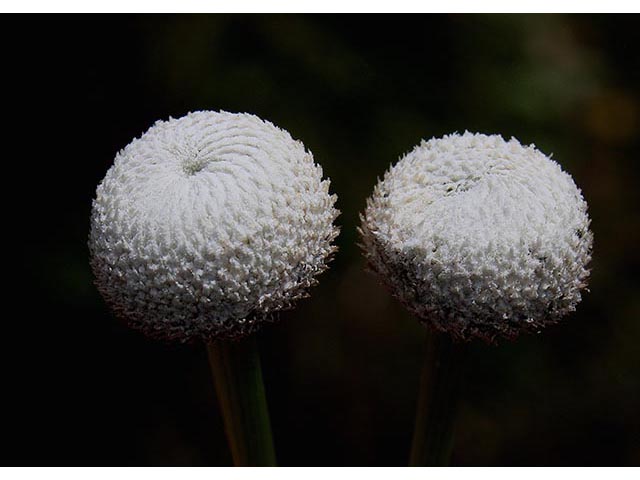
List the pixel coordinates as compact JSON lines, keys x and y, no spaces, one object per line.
{"x":479,"y":237}
{"x":203,"y":228}
{"x":207,"y":224}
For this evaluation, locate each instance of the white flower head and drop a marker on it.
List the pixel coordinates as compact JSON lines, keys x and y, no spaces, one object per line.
{"x":479,"y":237}
{"x":207,"y":224}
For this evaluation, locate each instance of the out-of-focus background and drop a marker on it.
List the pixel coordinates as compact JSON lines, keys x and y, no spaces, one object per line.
{"x":79,"y":388}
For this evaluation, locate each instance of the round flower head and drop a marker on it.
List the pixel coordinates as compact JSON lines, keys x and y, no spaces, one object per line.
{"x":479,"y":237}
{"x":207,"y":224}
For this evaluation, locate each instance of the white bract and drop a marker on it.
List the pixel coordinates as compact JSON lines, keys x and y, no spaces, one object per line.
{"x":207,"y":224}
{"x":479,"y":237}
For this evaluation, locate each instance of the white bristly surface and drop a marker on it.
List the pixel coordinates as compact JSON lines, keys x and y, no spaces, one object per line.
{"x":207,"y":224}
{"x":479,"y":236}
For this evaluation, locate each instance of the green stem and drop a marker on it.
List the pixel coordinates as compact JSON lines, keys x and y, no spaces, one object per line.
{"x":437,"y":401}
{"x":238,"y":379}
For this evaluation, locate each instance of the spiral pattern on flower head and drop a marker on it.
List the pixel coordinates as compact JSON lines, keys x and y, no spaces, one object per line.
{"x":479,"y":237}
{"x":207,"y":224}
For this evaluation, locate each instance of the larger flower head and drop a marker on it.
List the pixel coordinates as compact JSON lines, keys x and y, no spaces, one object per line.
{"x":479,"y":237}
{"x":207,"y":224}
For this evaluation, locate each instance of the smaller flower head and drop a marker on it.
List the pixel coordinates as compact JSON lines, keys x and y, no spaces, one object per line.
{"x":479,"y":237}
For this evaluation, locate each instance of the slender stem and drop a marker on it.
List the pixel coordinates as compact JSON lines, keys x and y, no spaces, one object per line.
{"x":437,"y":401}
{"x":238,"y":379}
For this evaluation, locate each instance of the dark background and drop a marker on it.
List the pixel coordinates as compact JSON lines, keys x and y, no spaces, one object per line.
{"x":79,"y":388}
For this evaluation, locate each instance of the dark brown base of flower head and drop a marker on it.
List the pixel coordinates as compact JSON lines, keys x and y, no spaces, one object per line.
{"x":489,"y":332}
{"x":191,"y":332}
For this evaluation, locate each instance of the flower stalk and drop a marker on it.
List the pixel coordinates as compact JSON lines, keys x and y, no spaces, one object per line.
{"x":437,"y":401}
{"x":238,"y":379}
